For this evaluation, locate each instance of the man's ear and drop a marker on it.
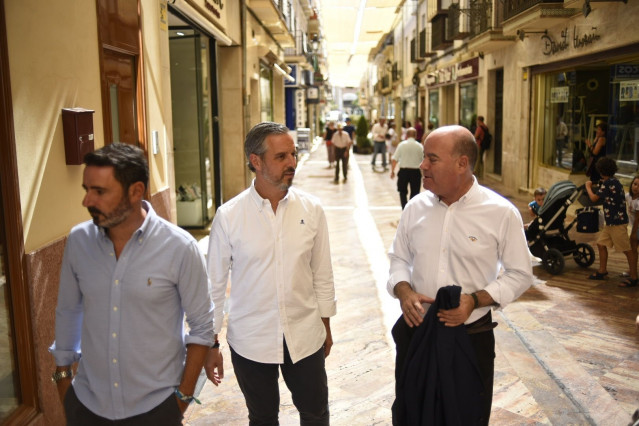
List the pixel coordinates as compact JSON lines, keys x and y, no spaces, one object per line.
{"x":255,"y":161}
{"x":462,"y":161}
{"x":136,"y":191}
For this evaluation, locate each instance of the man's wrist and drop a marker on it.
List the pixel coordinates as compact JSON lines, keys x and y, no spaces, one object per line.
{"x":185,"y":398}
{"x":475,"y":300}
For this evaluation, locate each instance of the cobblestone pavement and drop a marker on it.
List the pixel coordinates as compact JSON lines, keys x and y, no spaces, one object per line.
{"x":567,"y":351}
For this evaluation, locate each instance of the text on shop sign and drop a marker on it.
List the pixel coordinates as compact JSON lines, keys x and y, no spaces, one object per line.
{"x":552,"y":46}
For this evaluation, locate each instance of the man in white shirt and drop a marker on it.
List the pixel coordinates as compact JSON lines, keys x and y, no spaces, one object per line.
{"x":273,"y":239}
{"x":409,"y":154}
{"x":342,"y":143}
{"x":379,"y":141}
{"x":561,"y":132}
{"x":459,"y":233}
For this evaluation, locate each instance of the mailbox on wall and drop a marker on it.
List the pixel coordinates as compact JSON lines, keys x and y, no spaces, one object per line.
{"x":77,"y":124}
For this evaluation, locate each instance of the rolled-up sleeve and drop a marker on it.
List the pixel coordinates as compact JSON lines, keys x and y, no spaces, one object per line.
{"x":400,"y":258}
{"x":194,"y":288}
{"x":515,"y":260}
{"x":68,"y":325}
{"x":322,"y":269}
{"x":219,"y":263}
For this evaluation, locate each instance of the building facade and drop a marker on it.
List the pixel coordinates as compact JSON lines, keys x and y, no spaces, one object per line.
{"x":182,"y":79}
{"x":524,"y":65}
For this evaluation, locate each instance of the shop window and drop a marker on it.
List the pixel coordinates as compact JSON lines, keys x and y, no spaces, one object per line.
{"x":266,"y":93}
{"x":571,"y":105}
{"x":433,"y":107}
{"x":468,"y":104}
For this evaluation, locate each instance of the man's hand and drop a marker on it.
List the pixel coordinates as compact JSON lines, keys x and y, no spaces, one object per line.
{"x":214,"y":366}
{"x":411,"y":303}
{"x":457,"y":316}
{"x":392,"y":174}
{"x":328,"y":343}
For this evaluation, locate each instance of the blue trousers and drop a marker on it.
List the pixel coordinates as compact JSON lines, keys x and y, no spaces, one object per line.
{"x":379,"y":147}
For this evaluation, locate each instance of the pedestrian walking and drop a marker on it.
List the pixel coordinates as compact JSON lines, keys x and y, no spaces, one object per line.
{"x":379,"y":131}
{"x":409,"y":156}
{"x":273,"y":241}
{"x":342,"y":144}
{"x":456,"y":235}
{"x":128,"y":278}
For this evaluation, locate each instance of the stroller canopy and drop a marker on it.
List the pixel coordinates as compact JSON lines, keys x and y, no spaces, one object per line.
{"x":557,"y":193}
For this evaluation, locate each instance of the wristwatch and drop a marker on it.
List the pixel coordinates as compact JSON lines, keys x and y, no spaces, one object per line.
{"x":59,"y":375}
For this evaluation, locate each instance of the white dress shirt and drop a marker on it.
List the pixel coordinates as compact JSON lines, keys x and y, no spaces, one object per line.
{"x":341,"y":139}
{"x":467,"y":243}
{"x":281,"y":275}
{"x":409,"y":154}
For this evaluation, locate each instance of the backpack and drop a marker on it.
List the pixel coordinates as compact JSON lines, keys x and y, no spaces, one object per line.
{"x":488,"y":138}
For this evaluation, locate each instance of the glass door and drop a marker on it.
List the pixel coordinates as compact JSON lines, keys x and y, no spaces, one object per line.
{"x":192,"y":127}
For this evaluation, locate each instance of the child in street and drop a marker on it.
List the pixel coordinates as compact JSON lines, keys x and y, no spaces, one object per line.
{"x":615,"y":233}
{"x":535,"y":205}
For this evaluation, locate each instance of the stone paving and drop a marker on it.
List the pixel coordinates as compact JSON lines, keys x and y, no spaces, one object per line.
{"x":557,"y":361}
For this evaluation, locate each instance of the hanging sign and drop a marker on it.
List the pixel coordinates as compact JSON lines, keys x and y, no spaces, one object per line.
{"x":629,"y":90}
{"x":559,"y":95}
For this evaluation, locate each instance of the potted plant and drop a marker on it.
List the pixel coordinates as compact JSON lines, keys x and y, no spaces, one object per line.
{"x":364,"y":145}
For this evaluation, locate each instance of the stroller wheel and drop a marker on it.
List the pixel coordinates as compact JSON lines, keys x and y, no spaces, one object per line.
{"x":554,"y":261}
{"x":584,"y":255}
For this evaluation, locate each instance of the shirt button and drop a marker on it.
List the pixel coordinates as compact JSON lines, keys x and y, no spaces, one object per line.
{"x":115,"y":308}
{"x":115,"y":361}
{"x":117,"y":282}
{"x":115,"y":385}
{"x":111,"y":254}
{"x":114,"y":335}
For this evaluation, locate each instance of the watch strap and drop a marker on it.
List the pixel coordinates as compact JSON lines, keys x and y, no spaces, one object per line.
{"x":59,"y":375}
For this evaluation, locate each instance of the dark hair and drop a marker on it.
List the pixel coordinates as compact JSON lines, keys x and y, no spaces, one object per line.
{"x":636,"y":176}
{"x":255,"y":142}
{"x":603,"y":126}
{"x":480,"y":118}
{"x":606,"y":166}
{"x":128,"y":162}
{"x":540,"y":191}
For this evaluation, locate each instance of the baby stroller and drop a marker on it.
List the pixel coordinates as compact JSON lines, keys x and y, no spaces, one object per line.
{"x":547,"y":234}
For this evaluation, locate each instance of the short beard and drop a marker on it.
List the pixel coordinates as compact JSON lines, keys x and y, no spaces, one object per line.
{"x":116,"y":217}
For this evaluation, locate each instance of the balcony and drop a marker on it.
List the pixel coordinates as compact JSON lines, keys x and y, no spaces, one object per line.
{"x":454,"y":29}
{"x":275,"y":16}
{"x":439,"y":40}
{"x":300,"y":52}
{"x":424,"y":51}
{"x":531,"y":15}
{"x":396,"y":73}
{"x":485,"y":28}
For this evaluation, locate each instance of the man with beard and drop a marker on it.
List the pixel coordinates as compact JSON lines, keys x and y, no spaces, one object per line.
{"x":456,"y":233}
{"x":128,"y":278}
{"x":273,"y":240}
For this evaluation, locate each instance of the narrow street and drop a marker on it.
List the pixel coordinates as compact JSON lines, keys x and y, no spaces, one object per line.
{"x":566,"y":351}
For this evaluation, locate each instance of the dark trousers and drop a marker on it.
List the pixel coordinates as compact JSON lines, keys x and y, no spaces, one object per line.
{"x":166,"y":414}
{"x":341,"y":154}
{"x":484,"y":345}
{"x":379,"y":148}
{"x":306,"y":379}
{"x":406,"y":178}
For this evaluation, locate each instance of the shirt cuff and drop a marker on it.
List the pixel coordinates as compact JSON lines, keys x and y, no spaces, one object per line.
{"x":394,"y":279}
{"x":196,"y":340}
{"x":327,"y":309}
{"x":63,"y":358}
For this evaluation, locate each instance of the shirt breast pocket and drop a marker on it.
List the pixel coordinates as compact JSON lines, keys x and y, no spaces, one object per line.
{"x":154,"y":288}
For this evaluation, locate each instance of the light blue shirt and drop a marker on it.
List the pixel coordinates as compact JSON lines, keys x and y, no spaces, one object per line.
{"x":123,"y":319}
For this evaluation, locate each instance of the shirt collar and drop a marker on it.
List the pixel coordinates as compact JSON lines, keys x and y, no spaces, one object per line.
{"x":143,"y":229}
{"x":261,"y":202}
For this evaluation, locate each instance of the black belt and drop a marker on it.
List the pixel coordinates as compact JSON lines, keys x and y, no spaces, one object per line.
{"x":483,"y":324}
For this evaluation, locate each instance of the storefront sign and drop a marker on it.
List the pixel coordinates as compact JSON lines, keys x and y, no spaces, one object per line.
{"x":559,"y":95}
{"x":629,"y":90}
{"x":552,"y":46}
{"x":626,"y":72}
{"x":300,"y":109}
{"x":312,"y":95}
{"x":462,"y":71}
